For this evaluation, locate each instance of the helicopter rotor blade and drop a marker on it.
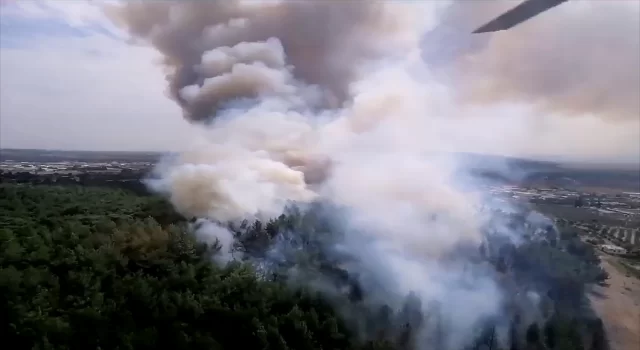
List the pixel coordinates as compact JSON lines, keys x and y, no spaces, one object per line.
{"x":518,"y":14}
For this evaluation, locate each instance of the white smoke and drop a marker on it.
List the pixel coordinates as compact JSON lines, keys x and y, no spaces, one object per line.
{"x":380,"y":156}
{"x":214,"y":234}
{"x":382,"y":153}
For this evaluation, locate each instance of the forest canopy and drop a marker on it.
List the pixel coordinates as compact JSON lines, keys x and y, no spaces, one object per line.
{"x":98,"y":268}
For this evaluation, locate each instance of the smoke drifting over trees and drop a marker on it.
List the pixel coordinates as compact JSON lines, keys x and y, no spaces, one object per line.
{"x":327,"y":102}
{"x":89,"y":267}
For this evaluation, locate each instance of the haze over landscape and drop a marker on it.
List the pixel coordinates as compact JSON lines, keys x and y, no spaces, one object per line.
{"x":312,"y":174}
{"x":568,"y":85}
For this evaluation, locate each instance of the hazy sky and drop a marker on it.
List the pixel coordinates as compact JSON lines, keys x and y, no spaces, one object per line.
{"x":69,"y":79}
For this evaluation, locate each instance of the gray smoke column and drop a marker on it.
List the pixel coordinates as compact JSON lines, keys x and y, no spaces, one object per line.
{"x":580,"y":58}
{"x":220,"y":51}
{"x":330,"y":101}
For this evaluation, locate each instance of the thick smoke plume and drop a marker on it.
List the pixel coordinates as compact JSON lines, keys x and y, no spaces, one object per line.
{"x":330,"y":101}
{"x":218,"y":51}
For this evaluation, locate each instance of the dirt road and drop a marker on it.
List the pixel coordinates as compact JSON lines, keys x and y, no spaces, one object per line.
{"x":619,"y":306}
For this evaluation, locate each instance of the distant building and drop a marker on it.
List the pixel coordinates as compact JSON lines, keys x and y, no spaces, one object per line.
{"x":612,"y":249}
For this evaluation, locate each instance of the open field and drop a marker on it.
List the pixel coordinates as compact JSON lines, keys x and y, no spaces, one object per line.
{"x":603,"y":217}
{"x":618,"y":304}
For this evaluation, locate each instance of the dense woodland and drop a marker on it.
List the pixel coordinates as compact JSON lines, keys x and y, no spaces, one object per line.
{"x":104,"y":268}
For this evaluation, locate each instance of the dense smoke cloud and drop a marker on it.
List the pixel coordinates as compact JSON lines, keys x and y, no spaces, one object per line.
{"x":218,"y":51}
{"x":580,"y":58}
{"x":327,"y":101}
